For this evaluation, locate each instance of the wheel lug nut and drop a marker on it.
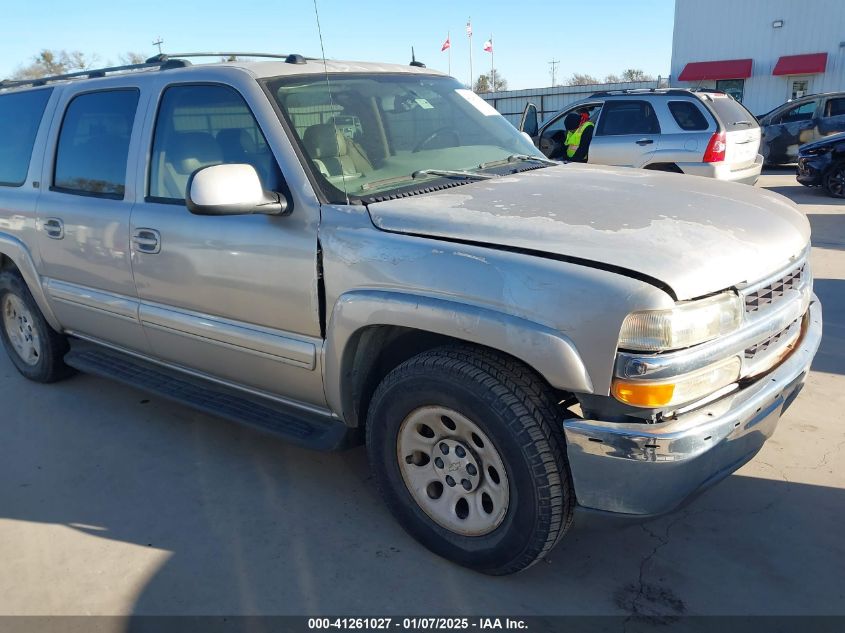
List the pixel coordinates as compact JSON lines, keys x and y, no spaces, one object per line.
{"x":465,"y":483}
{"x":438,"y":462}
{"x":472,"y":470}
{"x":460,"y":452}
{"x":444,"y":448}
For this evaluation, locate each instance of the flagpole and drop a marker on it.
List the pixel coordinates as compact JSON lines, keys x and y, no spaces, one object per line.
{"x":492,"y":79}
{"x":449,"y":39}
{"x":469,"y":24}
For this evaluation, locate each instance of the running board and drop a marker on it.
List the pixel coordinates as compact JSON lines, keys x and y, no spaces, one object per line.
{"x":298,"y":427}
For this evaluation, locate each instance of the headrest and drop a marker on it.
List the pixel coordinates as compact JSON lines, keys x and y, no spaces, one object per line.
{"x":237,"y":138}
{"x":324,"y":141}
{"x":188,"y":151}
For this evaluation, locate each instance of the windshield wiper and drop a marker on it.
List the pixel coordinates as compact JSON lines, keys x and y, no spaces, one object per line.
{"x":446,"y":173}
{"x":515,"y":158}
{"x":451,"y":173}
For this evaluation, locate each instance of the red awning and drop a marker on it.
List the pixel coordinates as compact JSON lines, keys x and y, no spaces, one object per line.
{"x":801,"y":64}
{"x":725,"y":69}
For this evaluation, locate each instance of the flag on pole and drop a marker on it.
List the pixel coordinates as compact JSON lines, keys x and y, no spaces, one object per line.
{"x":469,"y":28}
{"x":446,"y":44}
{"x":488,"y":46}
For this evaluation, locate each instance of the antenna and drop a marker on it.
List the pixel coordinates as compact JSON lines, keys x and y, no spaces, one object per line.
{"x":553,"y":70}
{"x":414,"y":61}
{"x":329,"y":88}
{"x":158,"y":43}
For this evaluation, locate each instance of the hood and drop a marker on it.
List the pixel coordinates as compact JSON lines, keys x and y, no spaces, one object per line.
{"x":695,"y":235}
{"x":827,"y":140}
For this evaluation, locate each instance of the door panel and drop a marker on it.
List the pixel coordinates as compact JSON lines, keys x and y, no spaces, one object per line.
{"x":83,"y":217}
{"x":234,"y":297}
{"x":627,"y":134}
{"x":832,"y":119}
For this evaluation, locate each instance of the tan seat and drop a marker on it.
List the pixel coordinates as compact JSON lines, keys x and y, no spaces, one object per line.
{"x":333,"y":153}
{"x":185,"y":153}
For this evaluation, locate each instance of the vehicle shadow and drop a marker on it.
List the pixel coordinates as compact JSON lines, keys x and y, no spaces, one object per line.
{"x":828,"y":229}
{"x":800,"y":194}
{"x":831,"y":355}
{"x":254,"y":526}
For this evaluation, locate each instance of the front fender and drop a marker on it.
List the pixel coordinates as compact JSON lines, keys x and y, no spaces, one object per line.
{"x":17,"y":251}
{"x":547,"y":351}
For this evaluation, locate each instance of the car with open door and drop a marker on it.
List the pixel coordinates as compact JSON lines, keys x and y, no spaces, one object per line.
{"x":702,"y":133}
{"x":798,"y":122}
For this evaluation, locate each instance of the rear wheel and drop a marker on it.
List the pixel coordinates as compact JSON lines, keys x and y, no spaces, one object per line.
{"x":834,"y":180}
{"x":35,"y":348}
{"x":467,"y":450}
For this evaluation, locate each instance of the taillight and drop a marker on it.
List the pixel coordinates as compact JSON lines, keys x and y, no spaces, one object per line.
{"x":715,"y":152}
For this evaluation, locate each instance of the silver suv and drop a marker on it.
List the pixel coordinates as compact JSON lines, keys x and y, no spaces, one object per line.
{"x":702,"y":133}
{"x":369,"y":253}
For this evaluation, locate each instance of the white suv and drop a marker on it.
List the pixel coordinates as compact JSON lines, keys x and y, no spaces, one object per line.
{"x":703,"y":133}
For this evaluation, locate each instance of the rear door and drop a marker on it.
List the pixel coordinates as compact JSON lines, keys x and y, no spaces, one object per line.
{"x":832,"y":119}
{"x":627,"y":133}
{"x":742,"y":132}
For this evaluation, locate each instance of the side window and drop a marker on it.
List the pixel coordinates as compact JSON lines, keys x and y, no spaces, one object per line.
{"x":628,"y":117}
{"x":93,"y":143}
{"x":202,"y":125}
{"x":833,"y":107}
{"x":20,"y":115}
{"x":803,"y":112}
{"x":688,"y":116}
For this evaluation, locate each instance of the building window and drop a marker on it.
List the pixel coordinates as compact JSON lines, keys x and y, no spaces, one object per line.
{"x":733,"y":87}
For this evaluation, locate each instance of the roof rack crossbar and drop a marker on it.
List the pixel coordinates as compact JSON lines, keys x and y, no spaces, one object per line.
{"x":166,"y":56}
{"x":672,"y":92}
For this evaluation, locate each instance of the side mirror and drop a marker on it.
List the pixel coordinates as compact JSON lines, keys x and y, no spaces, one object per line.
{"x":231,"y":189}
{"x":529,"y":123}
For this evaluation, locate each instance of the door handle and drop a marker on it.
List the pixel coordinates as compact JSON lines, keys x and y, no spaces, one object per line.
{"x":54,"y":228}
{"x":147,"y":241}
{"x":645,"y":141}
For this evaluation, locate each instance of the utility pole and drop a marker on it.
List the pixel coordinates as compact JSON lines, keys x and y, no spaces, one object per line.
{"x":553,"y":70}
{"x":158,"y":43}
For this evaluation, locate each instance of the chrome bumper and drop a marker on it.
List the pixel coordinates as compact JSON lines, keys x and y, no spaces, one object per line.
{"x":645,"y":469}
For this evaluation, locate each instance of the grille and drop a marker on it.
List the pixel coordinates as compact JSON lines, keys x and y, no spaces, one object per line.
{"x":772,"y":341}
{"x":770,"y":293}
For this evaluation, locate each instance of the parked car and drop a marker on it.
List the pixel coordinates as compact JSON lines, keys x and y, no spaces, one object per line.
{"x":344,"y":252}
{"x":822,"y":164}
{"x":702,"y":133}
{"x":799,"y":122}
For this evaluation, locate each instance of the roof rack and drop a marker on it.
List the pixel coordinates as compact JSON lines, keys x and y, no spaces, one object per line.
{"x":158,"y":62}
{"x":672,"y":92}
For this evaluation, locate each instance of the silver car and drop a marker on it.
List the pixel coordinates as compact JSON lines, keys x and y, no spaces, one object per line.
{"x":342,"y":253}
{"x":702,"y":133}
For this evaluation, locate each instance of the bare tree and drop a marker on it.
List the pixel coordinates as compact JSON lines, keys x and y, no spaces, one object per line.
{"x":578,"y":79}
{"x":612,"y":79}
{"x":49,"y":62}
{"x":491,"y":82}
{"x":132,"y":58}
{"x":635,"y":74}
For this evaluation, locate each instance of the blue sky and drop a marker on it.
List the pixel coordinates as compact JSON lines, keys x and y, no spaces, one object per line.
{"x":588,"y":36}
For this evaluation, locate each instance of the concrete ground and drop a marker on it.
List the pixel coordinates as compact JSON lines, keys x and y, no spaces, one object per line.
{"x":116,"y":502}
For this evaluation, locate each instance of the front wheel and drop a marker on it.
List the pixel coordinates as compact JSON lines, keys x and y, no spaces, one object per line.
{"x":834,"y":180}
{"x":467,"y":450}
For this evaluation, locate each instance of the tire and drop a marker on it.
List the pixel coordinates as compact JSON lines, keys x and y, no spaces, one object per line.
{"x":35,"y":348}
{"x":505,"y":418}
{"x":834,"y":180}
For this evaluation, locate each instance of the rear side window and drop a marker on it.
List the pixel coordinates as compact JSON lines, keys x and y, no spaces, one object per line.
{"x":93,"y":143}
{"x":834,"y":107}
{"x":202,"y":125}
{"x":688,"y":116}
{"x":20,"y":116}
{"x":628,"y":117}
{"x":733,"y":114}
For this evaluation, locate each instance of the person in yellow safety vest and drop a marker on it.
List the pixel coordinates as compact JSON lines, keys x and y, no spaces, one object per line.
{"x":579,"y":133}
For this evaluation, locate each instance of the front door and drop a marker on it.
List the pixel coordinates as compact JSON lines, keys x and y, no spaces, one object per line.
{"x":233,"y":297}
{"x":83,"y":217}
{"x":790,"y":130}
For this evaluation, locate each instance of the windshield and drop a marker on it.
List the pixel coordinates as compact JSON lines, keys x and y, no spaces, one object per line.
{"x":367,"y":136}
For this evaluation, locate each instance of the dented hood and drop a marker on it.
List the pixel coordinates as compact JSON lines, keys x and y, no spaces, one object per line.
{"x":695,"y":235}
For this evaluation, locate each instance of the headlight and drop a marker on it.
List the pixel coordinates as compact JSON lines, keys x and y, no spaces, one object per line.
{"x":684,"y":325}
{"x":680,"y":389}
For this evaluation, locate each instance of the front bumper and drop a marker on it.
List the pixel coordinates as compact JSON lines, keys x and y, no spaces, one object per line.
{"x":747,"y":175}
{"x":648,"y":469}
{"x":811,"y":169}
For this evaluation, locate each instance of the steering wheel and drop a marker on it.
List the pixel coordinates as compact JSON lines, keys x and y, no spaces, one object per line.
{"x":435,"y":134}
